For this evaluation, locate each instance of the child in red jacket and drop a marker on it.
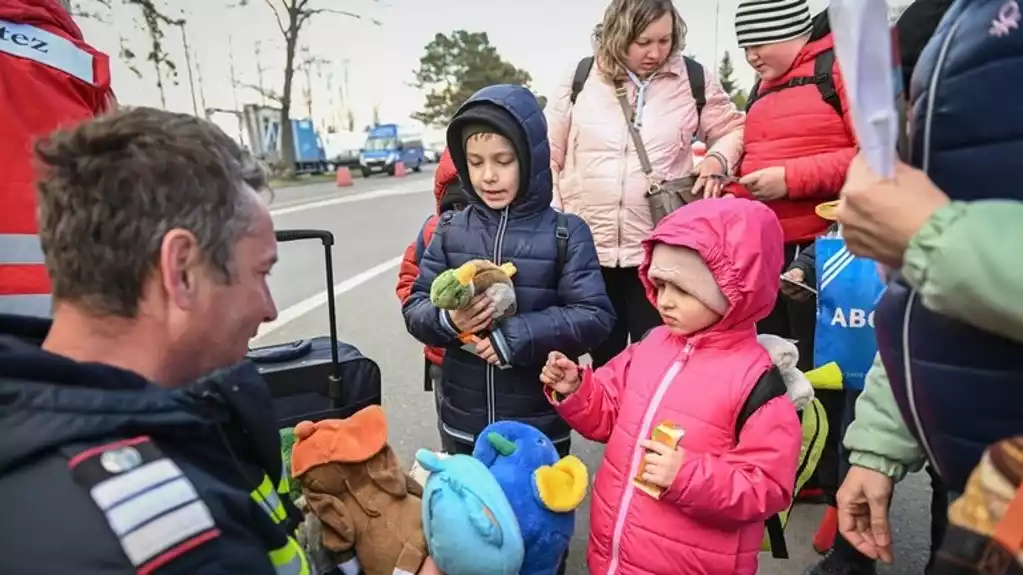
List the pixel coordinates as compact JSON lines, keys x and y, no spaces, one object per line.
{"x":450,"y":196}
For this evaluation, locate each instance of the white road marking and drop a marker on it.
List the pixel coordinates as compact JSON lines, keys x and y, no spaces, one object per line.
{"x":286,"y":316}
{"x":417,"y":187}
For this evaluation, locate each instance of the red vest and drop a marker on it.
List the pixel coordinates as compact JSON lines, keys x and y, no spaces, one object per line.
{"x":49,"y":78}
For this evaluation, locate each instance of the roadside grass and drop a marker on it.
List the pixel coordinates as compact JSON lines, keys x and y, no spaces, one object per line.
{"x":306,"y":179}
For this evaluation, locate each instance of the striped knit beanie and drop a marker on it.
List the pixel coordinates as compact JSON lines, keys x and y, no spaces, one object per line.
{"x":759,"y":22}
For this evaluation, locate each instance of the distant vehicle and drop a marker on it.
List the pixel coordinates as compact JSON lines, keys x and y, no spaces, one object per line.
{"x":431,"y":156}
{"x":388,"y":144}
{"x":263,"y":126}
{"x":342,"y":149}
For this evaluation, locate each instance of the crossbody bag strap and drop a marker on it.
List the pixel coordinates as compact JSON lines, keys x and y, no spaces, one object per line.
{"x":637,"y":140}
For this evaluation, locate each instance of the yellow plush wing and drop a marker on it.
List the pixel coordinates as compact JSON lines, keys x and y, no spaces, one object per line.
{"x":562,"y":486}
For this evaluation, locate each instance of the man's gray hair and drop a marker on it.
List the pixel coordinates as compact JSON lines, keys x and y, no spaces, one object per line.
{"x":111,"y":188}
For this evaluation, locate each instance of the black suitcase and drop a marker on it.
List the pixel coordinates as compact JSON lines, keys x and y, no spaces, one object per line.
{"x":319,"y":378}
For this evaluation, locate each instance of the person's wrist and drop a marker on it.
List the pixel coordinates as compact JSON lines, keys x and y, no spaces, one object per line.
{"x":722,"y":162}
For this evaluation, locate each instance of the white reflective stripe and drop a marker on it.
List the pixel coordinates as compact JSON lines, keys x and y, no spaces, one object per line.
{"x":129,"y":515}
{"x":20,"y":249}
{"x":350,"y":567}
{"x":402,"y":572}
{"x":35,"y":305}
{"x":49,"y":49}
{"x":121,"y":488}
{"x":167,"y":531}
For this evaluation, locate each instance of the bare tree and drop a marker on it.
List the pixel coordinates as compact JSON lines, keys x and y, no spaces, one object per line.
{"x":291,"y":17}
{"x":153,"y":19}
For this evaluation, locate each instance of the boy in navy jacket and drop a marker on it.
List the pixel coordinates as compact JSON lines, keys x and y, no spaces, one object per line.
{"x":498,"y":141}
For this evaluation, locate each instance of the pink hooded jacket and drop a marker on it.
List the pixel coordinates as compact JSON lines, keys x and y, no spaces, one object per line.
{"x":596,"y":171}
{"x":711,"y":520}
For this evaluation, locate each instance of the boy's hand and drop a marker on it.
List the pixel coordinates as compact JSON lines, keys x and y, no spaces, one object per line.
{"x":474,"y":317}
{"x":661,"y":463}
{"x":560,"y":374}
{"x":793,"y":291}
{"x":766,"y":185}
{"x":485,"y":349}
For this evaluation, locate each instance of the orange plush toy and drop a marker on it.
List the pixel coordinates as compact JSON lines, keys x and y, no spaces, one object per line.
{"x":353,"y":483}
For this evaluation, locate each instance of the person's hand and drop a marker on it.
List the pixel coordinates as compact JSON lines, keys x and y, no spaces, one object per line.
{"x":661,"y":463}
{"x":485,"y":349}
{"x":863,"y":512}
{"x":766,"y":185}
{"x":793,"y":291}
{"x":560,"y":374}
{"x":879,"y":217}
{"x":429,"y":568}
{"x":474,"y":317}
{"x":707,"y":184}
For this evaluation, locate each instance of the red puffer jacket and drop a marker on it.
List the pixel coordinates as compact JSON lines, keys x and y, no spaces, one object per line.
{"x":797,"y":129}
{"x":445,"y":175}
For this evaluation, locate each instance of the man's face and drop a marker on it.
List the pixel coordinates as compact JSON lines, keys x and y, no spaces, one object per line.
{"x":211,"y":321}
{"x":493,"y":169}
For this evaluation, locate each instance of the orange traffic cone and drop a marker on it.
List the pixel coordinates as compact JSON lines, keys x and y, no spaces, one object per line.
{"x":399,"y":170}
{"x":344,"y":177}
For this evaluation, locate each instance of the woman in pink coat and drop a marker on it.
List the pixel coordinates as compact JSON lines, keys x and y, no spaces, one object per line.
{"x":596,"y":169}
{"x":711,"y":268}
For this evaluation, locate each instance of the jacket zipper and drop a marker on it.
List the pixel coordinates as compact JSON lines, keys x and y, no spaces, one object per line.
{"x":638,"y":452}
{"x":907,"y":361}
{"x":502,"y":226}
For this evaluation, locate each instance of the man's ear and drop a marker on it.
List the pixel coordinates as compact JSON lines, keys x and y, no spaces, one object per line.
{"x":179,"y":264}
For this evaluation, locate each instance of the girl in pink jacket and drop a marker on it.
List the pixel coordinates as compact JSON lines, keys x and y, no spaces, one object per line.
{"x":711,"y":269}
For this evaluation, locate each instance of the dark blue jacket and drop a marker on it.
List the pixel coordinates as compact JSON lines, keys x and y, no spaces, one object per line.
{"x":216,"y":433}
{"x":959,"y":388}
{"x":569,"y":312}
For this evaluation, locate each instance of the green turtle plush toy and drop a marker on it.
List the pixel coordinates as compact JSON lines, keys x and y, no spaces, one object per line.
{"x":454,"y":288}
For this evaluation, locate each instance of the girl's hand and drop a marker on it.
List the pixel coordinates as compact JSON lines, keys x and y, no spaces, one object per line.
{"x":560,"y":374}
{"x":661,"y":463}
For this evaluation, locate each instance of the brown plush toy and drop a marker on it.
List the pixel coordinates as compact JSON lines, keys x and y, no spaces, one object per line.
{"x":353,"y":483}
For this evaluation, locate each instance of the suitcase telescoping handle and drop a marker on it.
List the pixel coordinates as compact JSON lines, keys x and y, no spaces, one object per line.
{"x":327,"y":239}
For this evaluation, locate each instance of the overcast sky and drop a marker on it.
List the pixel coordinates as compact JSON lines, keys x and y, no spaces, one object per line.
{"x":544,"y":37}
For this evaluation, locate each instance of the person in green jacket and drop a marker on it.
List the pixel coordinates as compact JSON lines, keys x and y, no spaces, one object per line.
{"x":953,"y":254}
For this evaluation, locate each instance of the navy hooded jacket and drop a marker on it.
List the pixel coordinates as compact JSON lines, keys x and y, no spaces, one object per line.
{"x":216,"y":436}
{"x":569,"y":312}
{"x":959,"y":388}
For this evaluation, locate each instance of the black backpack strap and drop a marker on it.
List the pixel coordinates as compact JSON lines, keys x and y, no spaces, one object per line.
{"x":754,"y":94}
{"x":561,"y":236}
{"x":582,"y":72}
{"x":823,"y":77}
{"x":697,"y":83}
{"x":443,"y":222}
{"x":769,"y":386}
{"x":823,"y":71}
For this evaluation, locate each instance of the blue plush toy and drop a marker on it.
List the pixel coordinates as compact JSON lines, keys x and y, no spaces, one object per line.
{"x":543,"y":491}
{"x":469,"y":525}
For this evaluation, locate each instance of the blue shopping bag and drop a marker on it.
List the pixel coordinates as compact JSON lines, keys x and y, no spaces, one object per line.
{"x":848,"y":289}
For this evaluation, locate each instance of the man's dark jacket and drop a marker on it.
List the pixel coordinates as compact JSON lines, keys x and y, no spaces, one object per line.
{"x":219,"y":433}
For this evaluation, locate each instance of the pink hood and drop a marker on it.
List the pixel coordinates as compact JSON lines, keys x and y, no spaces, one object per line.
{"x":741,"y":241}
{"x":710,"y":521}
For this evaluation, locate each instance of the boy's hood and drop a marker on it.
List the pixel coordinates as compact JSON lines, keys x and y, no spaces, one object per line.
{"x":47,"y":400}
{"x":49,"y":15}
{"x":741,"y":241}
{"x":536,"y":191}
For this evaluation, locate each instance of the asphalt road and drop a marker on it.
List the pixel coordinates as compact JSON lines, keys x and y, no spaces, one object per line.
{"x":372,"y":223}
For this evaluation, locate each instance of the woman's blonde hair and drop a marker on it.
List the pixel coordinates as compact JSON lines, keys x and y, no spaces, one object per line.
{"x":624,"y":21}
